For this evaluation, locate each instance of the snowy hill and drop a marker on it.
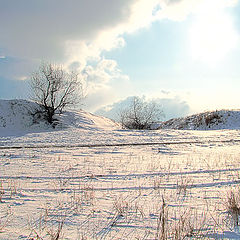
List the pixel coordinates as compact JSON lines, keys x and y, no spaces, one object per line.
{"x":216,"y":120}
{"x":17,"y":116}
{"x":86,"y":120}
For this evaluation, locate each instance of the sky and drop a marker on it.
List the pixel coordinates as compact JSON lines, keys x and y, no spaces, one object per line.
{"x":184,"y":54}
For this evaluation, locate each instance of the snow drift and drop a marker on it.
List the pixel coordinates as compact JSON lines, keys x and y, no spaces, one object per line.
{"x":20,"y":115}
{"x":215,"y":120}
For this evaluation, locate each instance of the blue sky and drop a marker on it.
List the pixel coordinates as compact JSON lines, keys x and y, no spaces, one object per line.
{"x":151,"y":53}
{"x":159,"y":58}
{"x":184,"y":53}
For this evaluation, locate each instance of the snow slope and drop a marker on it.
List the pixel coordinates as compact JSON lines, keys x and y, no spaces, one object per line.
{"x":215,"y":120}
{"x":17,"y":116}
{"x":113,"y":192}
{"x":116,"y":192}
{"x":86,"y":120}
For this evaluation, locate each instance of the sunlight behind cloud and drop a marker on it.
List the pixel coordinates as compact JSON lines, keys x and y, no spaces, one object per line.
{"x":212,"y":35}
{"x":90,"y":36}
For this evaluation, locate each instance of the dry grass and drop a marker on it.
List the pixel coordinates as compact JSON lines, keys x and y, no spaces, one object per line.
{"x":137,"y":207}
{"x":182,"y":226}
{"x":233,"y":205}
{"x":1,"y":191}
{"x":8,"y":189}
{"x":84,"y":196}
{"x":183,"y":184}
{"x":5,"y":218}
{"x":121,"y":206}
{"x":162,"y":222}
{"x":47,"y":226}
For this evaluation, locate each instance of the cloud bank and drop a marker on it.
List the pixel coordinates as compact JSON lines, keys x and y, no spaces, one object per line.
{"x":62,"y":30}
{"x":172,"y":106}
{"x":75,"y":33}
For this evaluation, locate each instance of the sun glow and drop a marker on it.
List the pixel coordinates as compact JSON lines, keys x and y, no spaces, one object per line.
{"x":212,"y":35}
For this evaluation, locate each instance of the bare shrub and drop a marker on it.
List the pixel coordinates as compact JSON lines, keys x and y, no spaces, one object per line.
{"x":140,"y":114}
{"x":212,"y":118}
{"x":54,"y":89}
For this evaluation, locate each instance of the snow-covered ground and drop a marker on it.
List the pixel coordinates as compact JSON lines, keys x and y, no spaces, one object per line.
{"x":118,"y":192}
{"x":215,"y":120}
{"x":18,"y":117}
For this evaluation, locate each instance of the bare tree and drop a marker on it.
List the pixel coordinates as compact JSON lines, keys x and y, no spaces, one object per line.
{"x":140,"y":114}
{"x":54,"y":89}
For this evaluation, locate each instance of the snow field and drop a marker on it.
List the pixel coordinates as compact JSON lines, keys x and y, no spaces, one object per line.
{"x":165,"y":191}
{"x":118,"y":192}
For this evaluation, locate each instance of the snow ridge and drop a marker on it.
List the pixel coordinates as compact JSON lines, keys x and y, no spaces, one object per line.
{"x":212,"y":120}
{"x":18,"y":116}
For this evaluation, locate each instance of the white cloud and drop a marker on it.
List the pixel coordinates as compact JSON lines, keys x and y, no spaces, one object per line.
{"x":178,"y":10}
{"x":41,"y":28}
{"x":104,"y":83}
{"x":77,"y":29}
{"x":172,"y":106}
{"x":22,"y":78}
{"x":76,"y":32}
